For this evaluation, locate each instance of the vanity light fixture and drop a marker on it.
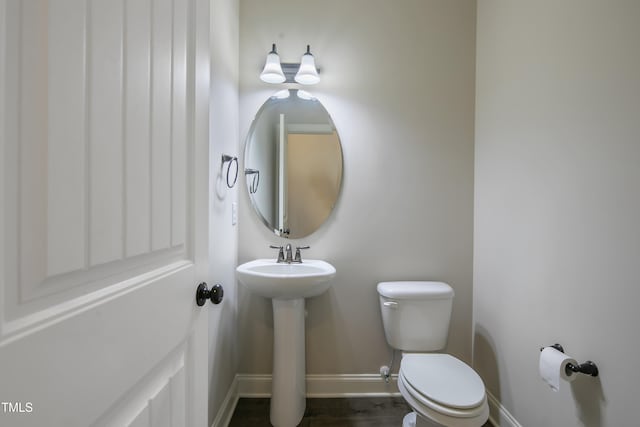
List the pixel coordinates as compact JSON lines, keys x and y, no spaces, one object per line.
{"x":307,"y":73}
{"x":304,"y":73}
{"x":272,"y":71}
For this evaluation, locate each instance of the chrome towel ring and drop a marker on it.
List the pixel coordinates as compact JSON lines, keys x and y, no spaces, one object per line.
{"x":253,"y":188}
{"x":231,"y":159}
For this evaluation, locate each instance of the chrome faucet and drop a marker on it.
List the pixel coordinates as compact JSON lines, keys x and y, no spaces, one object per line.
{"x":289,"y":255}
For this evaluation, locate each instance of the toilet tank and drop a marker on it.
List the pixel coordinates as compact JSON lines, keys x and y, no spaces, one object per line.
{"x":415,"y":314}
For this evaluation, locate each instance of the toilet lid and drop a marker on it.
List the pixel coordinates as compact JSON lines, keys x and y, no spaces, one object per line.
{"x":443,"y":379}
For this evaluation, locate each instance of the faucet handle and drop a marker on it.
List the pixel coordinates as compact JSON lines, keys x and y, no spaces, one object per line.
{"x":298,"y":257}
{"x":280,"y":252}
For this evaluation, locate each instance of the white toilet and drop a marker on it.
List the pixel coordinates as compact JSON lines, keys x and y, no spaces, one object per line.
{"x":442,"y":390}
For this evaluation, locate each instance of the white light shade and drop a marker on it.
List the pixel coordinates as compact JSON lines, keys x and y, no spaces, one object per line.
{"x":283,"y":94}
{"x":303,"y":94}
{"x":307,"y":73}
{"x":272,"y":72}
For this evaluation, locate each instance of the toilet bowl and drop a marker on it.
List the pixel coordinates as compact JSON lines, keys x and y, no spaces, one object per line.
{"x":441,"y":389}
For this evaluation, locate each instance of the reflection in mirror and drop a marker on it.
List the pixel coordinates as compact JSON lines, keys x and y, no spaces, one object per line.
{"x":293,"y":164}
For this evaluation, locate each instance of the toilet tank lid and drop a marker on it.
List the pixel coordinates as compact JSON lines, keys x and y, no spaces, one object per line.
{"x":415,"y":290}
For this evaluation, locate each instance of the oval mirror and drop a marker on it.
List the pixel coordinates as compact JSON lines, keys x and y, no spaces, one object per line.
{"x":293,"y":164}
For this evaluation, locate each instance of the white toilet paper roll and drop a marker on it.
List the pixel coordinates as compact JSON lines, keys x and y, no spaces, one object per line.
{"x":553,"y":364}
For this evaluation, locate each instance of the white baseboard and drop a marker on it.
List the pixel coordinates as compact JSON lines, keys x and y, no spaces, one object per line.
{"x":348,"y":385}
{"x":498,"y":414}
{"x":223,"y":418}
{"x":351,"y":385}
{"x":254,"y":385}
{"x":355,"y":385}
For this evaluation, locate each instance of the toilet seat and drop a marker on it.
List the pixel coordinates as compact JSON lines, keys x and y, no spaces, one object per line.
{"x":417,"y":396}
{"x":443,"y":379}
{"x":444,"y":389}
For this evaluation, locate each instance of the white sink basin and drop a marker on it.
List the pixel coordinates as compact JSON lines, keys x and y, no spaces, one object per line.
{"x":287,"y":285}
{"x":270,"y":279}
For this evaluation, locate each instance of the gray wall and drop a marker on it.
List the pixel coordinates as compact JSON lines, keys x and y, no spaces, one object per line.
{"x":224,"y":237}
{"x":399,"y":84}
{"x":557,"y":203}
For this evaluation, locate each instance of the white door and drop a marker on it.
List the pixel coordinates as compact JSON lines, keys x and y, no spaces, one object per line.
{"x":103,"y":212}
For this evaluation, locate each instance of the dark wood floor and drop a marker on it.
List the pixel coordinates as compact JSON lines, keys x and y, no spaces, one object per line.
{"x":350,"y":412}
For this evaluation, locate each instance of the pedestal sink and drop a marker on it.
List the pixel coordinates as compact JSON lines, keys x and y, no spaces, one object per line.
{"x":287,"y":285}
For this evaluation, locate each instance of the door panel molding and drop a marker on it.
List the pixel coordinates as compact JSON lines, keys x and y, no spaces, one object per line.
{"x":26,"y":324}
{"x":98,"y":189}
{"x":161,"y":389}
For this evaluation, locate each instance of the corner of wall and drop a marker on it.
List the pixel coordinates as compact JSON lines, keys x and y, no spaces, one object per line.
{"x":224,"y":48}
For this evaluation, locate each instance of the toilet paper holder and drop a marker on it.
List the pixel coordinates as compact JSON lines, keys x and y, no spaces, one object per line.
{"x":588,"y":367}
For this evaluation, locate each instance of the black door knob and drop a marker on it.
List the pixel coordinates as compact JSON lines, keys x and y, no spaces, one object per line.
{"x":203,"y":293}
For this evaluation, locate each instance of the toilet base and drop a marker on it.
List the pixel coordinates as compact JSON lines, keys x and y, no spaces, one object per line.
{"x":413,"y":420}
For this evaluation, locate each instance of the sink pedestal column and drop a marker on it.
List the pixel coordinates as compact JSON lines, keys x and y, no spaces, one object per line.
{"x":288,"y":388}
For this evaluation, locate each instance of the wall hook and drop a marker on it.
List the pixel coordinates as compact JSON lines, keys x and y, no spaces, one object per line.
{"x":231,"y":159}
